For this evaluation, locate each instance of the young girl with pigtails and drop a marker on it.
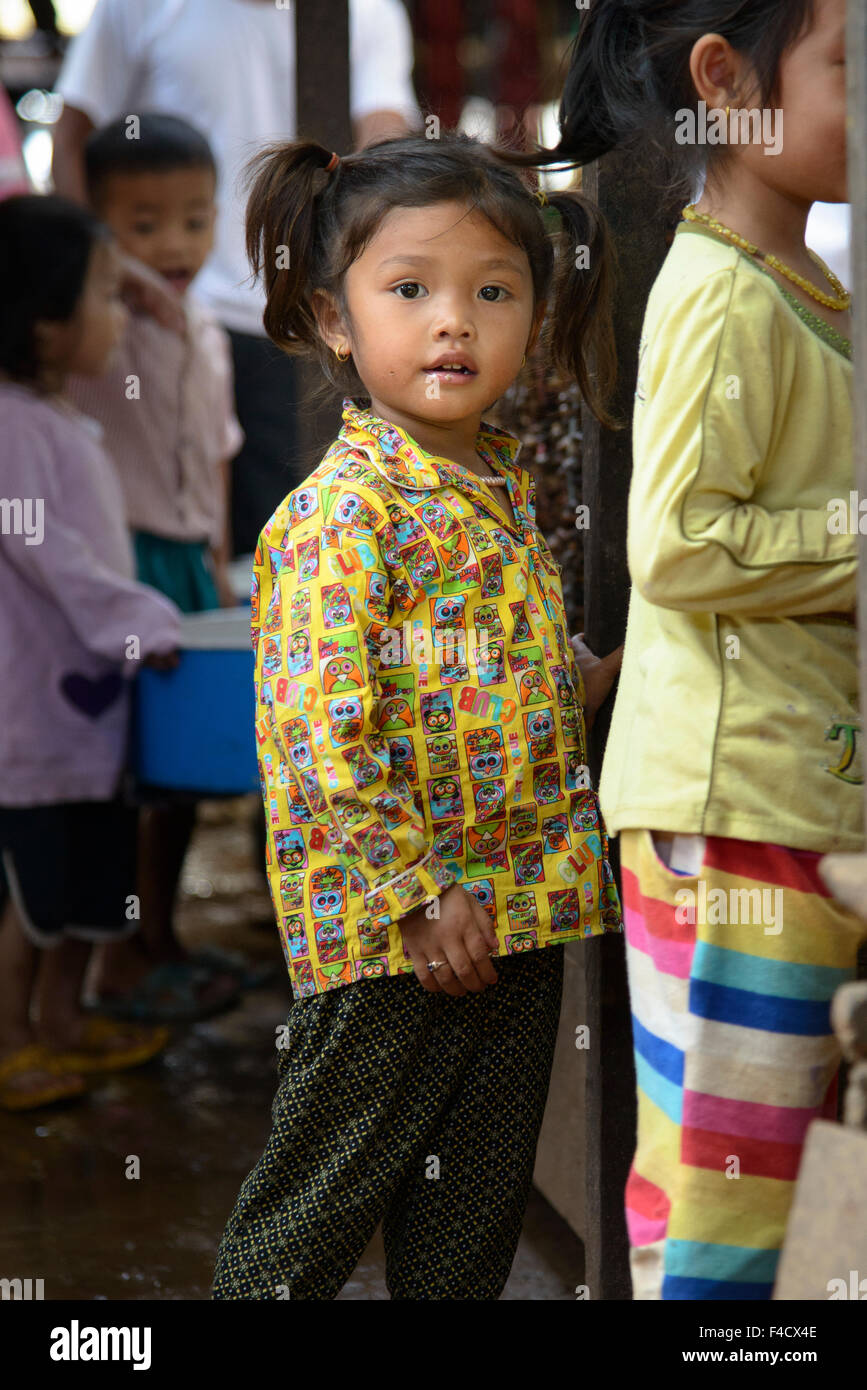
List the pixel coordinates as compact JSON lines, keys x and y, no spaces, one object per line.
{"x":433,"y":838}
{"x":732,"y":762}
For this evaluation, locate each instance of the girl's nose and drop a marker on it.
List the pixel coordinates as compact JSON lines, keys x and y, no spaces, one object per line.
{"x":453,"y":320}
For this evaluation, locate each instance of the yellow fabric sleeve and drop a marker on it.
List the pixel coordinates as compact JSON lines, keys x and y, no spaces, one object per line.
{"x":364,"y":805}
{"x":713,"y":372}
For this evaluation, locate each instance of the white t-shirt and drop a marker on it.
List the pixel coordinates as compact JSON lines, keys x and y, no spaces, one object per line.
{"x":228,"y":67}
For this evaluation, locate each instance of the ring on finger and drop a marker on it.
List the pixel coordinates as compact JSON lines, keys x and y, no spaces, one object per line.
{"x":435,"y":964}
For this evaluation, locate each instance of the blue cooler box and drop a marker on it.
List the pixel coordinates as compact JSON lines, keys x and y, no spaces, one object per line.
{"x":193,"y":726}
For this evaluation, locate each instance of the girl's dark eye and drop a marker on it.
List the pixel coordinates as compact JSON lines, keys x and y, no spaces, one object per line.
{"x":408,"y":285}
{"x":495,"y":290}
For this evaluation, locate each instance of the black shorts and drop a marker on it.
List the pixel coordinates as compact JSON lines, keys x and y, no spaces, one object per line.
{"x":70,"y":869}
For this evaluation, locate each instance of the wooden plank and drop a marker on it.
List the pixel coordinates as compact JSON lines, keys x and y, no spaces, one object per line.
{"x":825,"y":1254}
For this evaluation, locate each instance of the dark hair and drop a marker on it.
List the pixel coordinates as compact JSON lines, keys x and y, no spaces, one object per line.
{"x":157,"y":144}
{"x":45,"y":248}
{"x":324,"y":224}
{"x":629,"y":71}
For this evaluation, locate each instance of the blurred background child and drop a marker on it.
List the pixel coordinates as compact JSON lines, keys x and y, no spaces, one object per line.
{"x":73,"y":625}
{"x":166,"y":408}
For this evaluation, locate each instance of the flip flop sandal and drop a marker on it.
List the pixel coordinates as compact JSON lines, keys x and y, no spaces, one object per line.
{"x":250,"y":975}
{"x":169,"y":994}
{"x":34,"y":1057}
{"x":92,"y":1054}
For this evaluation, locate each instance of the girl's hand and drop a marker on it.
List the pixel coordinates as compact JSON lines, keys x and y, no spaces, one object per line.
{"x":597,"y":672}
{"x":162,"y":661}
{"x":462,"y":935}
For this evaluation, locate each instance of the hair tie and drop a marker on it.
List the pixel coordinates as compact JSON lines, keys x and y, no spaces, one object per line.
{"x":332,"y":163}
{"x":541,"y":198}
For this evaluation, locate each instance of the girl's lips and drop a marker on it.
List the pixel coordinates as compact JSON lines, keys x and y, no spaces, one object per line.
{"x":450,"y":377}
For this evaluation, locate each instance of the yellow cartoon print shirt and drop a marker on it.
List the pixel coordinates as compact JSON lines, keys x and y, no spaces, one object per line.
{"x":418,"y":710}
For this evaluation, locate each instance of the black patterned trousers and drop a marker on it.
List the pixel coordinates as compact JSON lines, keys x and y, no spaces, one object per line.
{"x":418,"y":1110}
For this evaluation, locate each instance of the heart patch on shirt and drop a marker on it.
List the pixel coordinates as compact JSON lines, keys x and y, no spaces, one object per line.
{"x":92,"y":697}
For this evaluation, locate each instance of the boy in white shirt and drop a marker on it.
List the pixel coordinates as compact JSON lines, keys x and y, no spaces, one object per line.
{"x":167,"y":413}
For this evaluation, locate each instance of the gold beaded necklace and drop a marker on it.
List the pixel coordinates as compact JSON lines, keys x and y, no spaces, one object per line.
{"x":841,"y":302}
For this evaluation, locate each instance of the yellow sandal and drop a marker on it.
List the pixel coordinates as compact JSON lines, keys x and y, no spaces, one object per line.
{"x":35,"y":1057}
{"x":92,"y":1054}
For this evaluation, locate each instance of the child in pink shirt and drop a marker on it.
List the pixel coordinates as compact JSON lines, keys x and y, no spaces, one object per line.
{"x":74,"y":626}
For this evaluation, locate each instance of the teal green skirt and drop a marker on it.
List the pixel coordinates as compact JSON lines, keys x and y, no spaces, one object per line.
{"x":179,"y":569}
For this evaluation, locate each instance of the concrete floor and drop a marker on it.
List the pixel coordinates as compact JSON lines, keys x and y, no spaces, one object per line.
{"x":197,"y":1119}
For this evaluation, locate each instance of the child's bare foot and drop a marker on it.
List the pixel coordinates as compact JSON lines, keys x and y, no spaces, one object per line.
{"x":118,"y":967}
{"x":173,"y":991}
{"x":166,"y":987}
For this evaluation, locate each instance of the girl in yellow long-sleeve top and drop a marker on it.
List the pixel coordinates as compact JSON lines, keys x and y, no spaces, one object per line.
{"x":731,"y":765}
{"x":419,"y":714}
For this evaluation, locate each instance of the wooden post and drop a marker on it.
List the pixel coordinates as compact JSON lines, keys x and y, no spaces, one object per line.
{"x":641,"y":217}
{"x":322,"y":87}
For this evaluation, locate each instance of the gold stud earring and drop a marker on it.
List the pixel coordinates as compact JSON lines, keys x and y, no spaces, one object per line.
{"x":341,"y":355}
{"x":728,"y":109}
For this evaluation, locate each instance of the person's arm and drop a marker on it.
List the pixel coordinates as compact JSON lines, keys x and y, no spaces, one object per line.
{"x":382,"y":100}
{"x":713,"y":384}
{"x":592,"y":675}
{"x":103,"y":608}
{"x":95,"y":81}
{"x":215,"y":341}
{"x":378,"y":125}
{"x":67,"y":153}
{"x":316,"y":720}
{"x":221,"y":550}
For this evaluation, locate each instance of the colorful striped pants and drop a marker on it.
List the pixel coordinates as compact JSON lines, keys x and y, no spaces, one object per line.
{"x":731,"y":975}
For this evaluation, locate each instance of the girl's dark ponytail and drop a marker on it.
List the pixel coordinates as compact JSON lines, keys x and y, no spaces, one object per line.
{"x":580,"y":324}
{"x":608,"y":92}
{"x":285,"y":181}
{"x":629,"y":73}
{"x":604,"y":98}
